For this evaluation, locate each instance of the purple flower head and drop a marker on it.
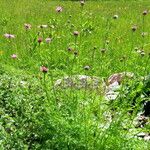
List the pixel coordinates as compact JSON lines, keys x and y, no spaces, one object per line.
{"x":40,"y":40}
{"x":59,"y":9}
{"x":44,"y":69}
{"x":27,"y":26}
{"x":14,"y":56}
{"x":9,"y":36}
{"x":48,"y":40}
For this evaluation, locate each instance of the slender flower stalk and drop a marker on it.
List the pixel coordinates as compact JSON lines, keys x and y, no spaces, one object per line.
{"x":82,"y":3}
{"x":143,"y":27}
{"x":76,"y":34}
{"x":146,"y":71}
{"x":44,"y":70}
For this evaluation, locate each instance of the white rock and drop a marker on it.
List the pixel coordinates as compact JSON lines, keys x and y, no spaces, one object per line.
{"x":79,"y":82}
{"x":142,"y":134}
{"x":111,"y":96}
{"x":113,"y":87}
{"x":119,"y":77}
{"x":114,"y":84}
{"x":112,"y":91}
{"x":147,"y":137}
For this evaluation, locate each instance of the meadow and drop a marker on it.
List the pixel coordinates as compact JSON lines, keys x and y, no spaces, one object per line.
{"x":44,"y":41}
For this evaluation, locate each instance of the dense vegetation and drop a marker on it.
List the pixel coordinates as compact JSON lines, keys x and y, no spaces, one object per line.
{"x":42,"y":41}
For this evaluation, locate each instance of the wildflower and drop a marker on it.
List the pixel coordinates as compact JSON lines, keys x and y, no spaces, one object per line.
{"x":144,"y":34}
{"x":44,"y":69}
{"x":136,"y":48}
{"x":142,"y":53}
{"x":145,"y":12}
{"x":48,"y":40}
{"x":115,"y":17}
{"x":123,"y":58}
{"x":14,"y":56}
{"x":107,"y":42}
{"x":76,"y":33}
{"x":75,"y":53}
{"x":27,"y":26}
{"x":59,"y":9}
{"x":82,"y":2}
{"x":139,"y":51}
{"x":134,"y":28}
{"x":70,"y":49}
{"x":43,"y":26}
{"x":68,"y":21}
{"x":87,"y":67}
{"x":9,"y":36}
{"x":103,"y":50}
{"x":39,"y":40}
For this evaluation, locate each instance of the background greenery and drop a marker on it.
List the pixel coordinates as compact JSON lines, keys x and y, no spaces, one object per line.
{"x":33,"y":115}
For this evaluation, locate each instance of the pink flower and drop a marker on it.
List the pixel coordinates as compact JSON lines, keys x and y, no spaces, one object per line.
{"x":48,"y":40}
{"x":76,"y":33}
{"x":9,"y":36}
{"x":44,"y":69}
{"x":14,"y":56}
{"x":27,"y":26}
{"x":59,"y":9}
{"x":145,"y":12}
{"x":39,"y":40}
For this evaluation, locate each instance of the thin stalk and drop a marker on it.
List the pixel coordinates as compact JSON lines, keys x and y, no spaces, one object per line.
{"x":143,"y":30}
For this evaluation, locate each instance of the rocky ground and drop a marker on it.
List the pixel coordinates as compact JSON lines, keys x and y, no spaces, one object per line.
{"x":111,"y":89}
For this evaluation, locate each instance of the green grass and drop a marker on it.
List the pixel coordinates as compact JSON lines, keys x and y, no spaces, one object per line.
{"x":34,"y":115}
